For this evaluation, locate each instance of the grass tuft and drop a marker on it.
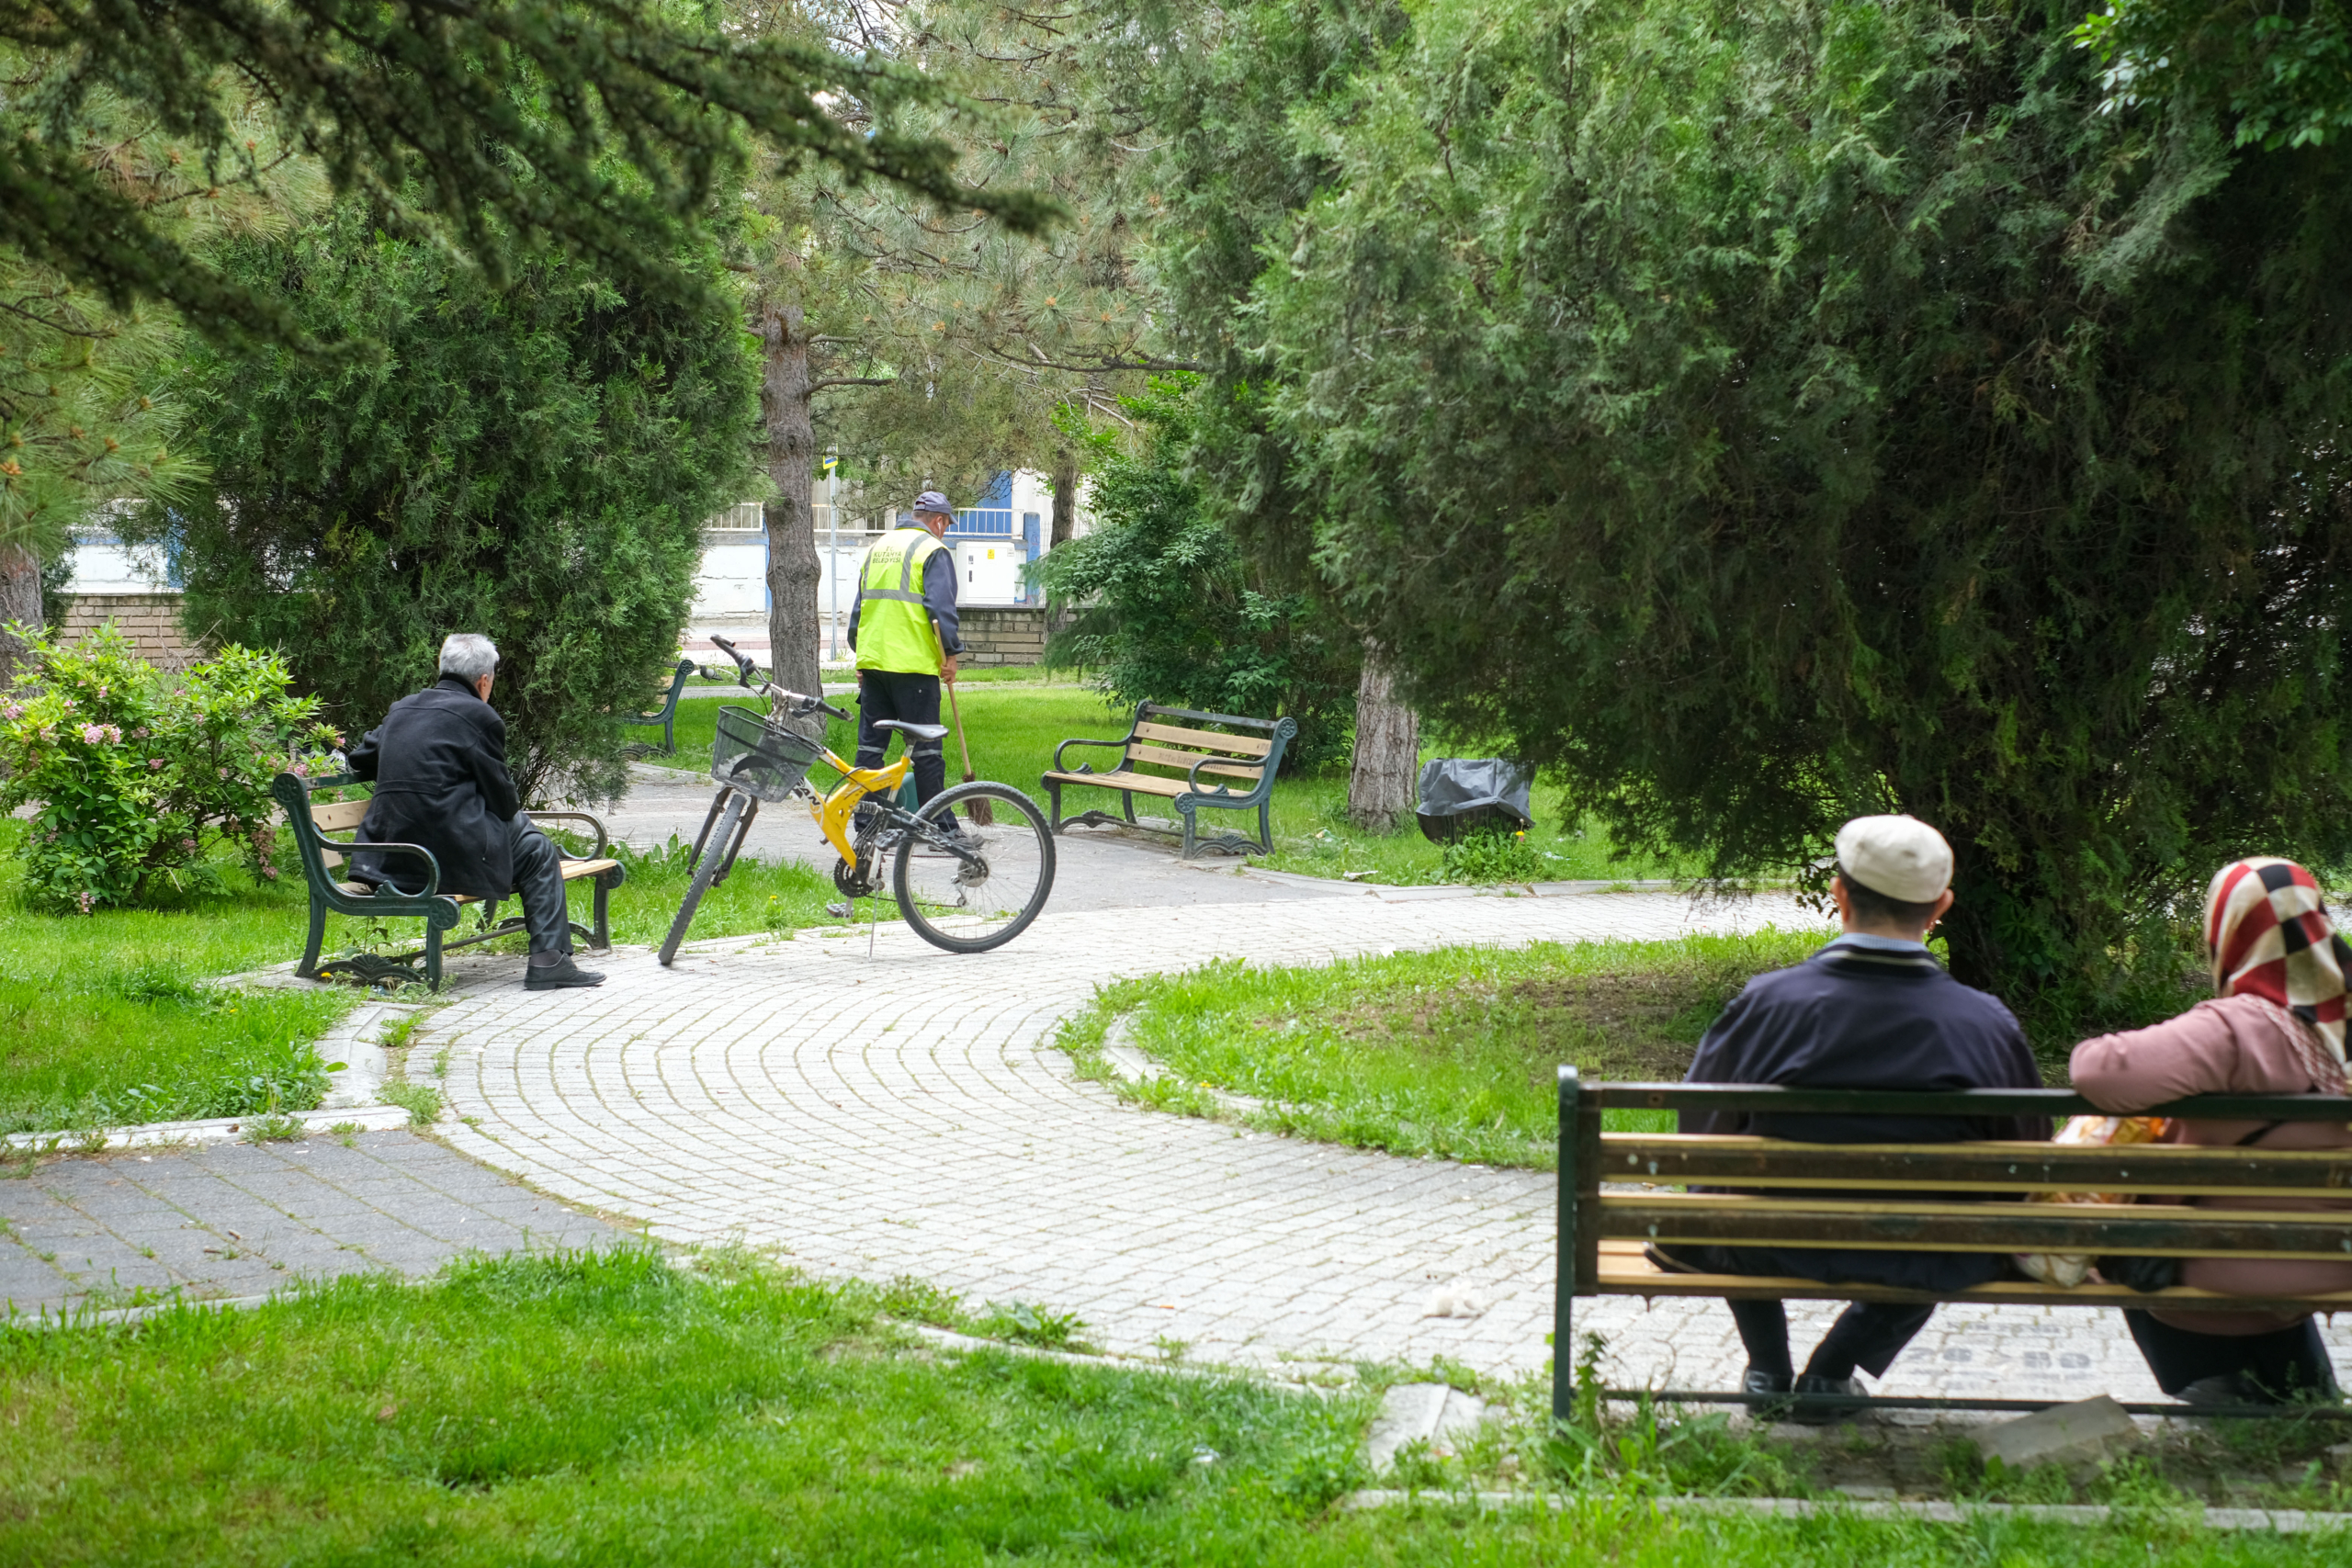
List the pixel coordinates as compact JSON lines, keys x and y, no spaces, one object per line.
{"x":422,"y":1101}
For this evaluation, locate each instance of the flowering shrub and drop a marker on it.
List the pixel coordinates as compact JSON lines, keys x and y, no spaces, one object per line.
{"x":135,"y":770}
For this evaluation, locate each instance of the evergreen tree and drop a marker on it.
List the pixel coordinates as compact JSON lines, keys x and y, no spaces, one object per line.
{"x":86,"y":414}
{"x":1759,"y":415}
{"x":534,"y":463}
{"x":602,"y":128}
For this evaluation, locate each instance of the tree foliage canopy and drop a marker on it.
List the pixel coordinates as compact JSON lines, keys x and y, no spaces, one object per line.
{"x":534,"y":463}
{"x":1760,"y":414}
{"x":601,"y":127}
{"x":2281,"y":73}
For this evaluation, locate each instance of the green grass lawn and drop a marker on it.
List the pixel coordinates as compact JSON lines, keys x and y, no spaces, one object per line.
{"x":1014,"y":725}
{"x":102,"y":1021}
{"x":616,"y":1410}
{"x":1454,"y":1053}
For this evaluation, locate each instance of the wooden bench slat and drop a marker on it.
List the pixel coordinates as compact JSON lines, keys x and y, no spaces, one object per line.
{"x":1142,"y":784}
{"x":338,"y":816}
{"x":1183,"y":761}
{"x":1625,"y":1271}
{"x":572,"y":871}
{"x":1209,"y":740}
{"x":1990,"y":1166}
{"x":1864,"y":1226}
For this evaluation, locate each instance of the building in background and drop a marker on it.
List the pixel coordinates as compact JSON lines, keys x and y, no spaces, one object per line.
{"x":994,"y":542}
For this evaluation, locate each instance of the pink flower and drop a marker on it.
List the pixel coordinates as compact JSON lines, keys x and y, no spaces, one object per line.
{"x":94,"y":733}
{"x":301,"y":770}
{"x":86,"y":898}
{"x":12,"y":710}
{"x":155,"y":764}
{"x":224,"y":772}
{"x":187,"y":845}
{"x":139,"y":733}
{"x":270,"y":872}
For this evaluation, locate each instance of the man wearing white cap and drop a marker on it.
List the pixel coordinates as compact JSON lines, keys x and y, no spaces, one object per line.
{"x":1874,"y":1009}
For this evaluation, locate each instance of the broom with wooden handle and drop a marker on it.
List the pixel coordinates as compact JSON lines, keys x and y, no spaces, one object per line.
{"x":982,"y":812}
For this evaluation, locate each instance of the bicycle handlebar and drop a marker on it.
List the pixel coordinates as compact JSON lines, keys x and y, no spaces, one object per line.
{"x":745,"y":670}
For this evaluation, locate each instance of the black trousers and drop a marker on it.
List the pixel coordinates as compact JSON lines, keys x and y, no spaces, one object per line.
{"x":911,"y":699}
{"x":1868,"y":1335}
{"x":539,"y":882}
{"x":2281,"y":1364}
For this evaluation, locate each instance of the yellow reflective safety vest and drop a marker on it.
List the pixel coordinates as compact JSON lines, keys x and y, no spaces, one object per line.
{"x":893,"y":629}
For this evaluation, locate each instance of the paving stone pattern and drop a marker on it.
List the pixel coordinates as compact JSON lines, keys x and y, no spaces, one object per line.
{"x":906,"y":1115}
{"x":240,"y":1219}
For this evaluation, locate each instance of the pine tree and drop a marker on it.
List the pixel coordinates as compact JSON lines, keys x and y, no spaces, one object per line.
{"x":87,"y":415}
{"x":603,"y":127}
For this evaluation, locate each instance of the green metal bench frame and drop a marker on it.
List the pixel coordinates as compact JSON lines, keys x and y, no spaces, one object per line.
{"x":440,"y":911}
{"x":1600,"y":1233}
{"x":666,"y":717}
{"x":1224,"y":797}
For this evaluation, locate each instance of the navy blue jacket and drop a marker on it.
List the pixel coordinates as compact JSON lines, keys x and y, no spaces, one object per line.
{"x":1854,"y":1018}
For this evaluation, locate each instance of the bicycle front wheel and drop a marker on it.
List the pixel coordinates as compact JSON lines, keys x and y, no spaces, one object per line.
{"x":714,"y":855}
{"x":968,"y":886}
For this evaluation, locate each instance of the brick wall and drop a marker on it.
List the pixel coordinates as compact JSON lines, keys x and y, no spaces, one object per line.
{"x":1002,"y":634}
{"x":152,"y":621}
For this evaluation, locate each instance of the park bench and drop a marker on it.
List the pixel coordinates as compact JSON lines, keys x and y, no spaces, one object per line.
{"x":323,"y":856}
{"x":1620,"y":1191}
{"x":1169,"y":760}
{"x":666,"y":715}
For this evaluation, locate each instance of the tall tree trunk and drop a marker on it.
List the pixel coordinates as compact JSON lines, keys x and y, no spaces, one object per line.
{"x":1065,"y":496}
{"x":791,"y":524}
{"x":20,"y":601}
{"x":1388,"y":744}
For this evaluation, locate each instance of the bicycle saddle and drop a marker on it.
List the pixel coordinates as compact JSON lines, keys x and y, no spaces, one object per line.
{"x":913,"y":731}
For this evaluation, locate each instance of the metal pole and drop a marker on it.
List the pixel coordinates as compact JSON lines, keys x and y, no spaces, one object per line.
{"x":833,"y":554}
{"x":1564,"y":1283}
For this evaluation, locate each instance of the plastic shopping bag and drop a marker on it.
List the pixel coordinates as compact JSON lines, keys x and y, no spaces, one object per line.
{"x":2068,"y":1269}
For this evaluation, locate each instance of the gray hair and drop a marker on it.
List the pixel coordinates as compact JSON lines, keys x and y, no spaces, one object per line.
{"x":470,"y":656}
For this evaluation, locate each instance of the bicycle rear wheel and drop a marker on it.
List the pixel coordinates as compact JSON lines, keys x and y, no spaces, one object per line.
{"x":968,"y":888}
{"x":715,"y":851}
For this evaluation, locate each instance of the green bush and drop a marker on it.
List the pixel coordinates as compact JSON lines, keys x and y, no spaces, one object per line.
{"x":1493,"y":856}
{"x":533,"y":462}
{"x":136,"y":771}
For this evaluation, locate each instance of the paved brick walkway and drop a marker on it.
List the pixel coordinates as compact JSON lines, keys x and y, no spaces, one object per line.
{"x":238,"y":1219}
{"x":904,"y":1114}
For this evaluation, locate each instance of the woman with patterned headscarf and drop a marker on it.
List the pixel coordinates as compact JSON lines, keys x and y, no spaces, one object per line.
{"x":2276,"y":1026}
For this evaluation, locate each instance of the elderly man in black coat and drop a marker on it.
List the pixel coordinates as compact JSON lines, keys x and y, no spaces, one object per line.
{"x":1874,"y":1009}
{"x":439,"y":766}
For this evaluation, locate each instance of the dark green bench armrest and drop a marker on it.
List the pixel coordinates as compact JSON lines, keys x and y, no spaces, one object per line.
{"x":598,"y":852}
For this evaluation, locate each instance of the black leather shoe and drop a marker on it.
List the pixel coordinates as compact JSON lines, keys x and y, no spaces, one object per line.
{"x":562,"y":975}
{"x":1809,"y":1415}
{"x":1766,"y":1383}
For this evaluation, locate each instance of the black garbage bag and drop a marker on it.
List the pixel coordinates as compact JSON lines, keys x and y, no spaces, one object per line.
{"x":1473,"y":795}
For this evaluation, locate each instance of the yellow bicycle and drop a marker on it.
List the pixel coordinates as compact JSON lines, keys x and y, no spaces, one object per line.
{"x":964,"y":886}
